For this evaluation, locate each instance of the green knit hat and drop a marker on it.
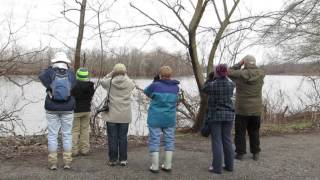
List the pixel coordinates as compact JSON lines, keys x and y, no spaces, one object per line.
{"x":82,"y":74}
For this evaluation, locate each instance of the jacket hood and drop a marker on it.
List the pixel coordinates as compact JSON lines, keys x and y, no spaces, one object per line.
{"x":169,"y":81}
{"x":121,"y":82}
{"x":84,"y":86}
{"x":253,"y":73}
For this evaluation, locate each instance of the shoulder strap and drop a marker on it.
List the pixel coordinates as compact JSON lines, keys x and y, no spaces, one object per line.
{"x":108,"y":97}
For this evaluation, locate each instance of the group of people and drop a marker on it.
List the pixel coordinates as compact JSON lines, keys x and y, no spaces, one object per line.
{"x":68,"y":107}
{"x":222,"y":111}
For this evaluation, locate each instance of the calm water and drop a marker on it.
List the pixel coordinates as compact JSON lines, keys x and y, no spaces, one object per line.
{"x":282,"y":90}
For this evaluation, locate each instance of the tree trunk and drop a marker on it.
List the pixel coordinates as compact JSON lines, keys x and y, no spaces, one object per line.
{"x":200,"y":81}
{"x":197,"y":69}
{"x":77,"y":55}
{"x":201,"y":112}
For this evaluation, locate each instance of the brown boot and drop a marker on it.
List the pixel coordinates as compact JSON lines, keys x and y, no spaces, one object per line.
{"x":52,"y":161}
{"x":67,"y":160}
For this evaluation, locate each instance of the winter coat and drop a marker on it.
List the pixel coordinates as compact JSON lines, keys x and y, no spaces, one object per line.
{"x":220,"y":106}
{"x":83,"y":93}
{"x":162,"y":109}
{"x":46,"y":77}
{"x":249,"y":82}
{"x":120,"y":99}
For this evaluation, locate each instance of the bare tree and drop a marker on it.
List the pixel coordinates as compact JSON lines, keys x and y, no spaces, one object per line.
{"x":13,"y":59}
{"x":80,"y":25}
{"x":295,"y":30}
{"x":189,"y":29}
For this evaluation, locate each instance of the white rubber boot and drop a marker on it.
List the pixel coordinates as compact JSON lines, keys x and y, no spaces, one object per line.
{"x":167,"y":165}
{"x":155,"y":162}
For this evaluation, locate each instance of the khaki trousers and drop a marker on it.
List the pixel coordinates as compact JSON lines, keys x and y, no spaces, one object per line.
{"x":80,"y":133}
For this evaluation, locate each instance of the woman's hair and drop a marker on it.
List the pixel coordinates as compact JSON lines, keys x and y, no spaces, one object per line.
{"x":165,"y":72}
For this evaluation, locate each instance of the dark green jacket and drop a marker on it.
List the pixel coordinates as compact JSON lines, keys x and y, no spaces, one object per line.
{"x":249,"y":82}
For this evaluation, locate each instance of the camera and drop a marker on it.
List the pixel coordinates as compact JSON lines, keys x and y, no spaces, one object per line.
{"x":105,"y":108}
{"x":156,"y":77}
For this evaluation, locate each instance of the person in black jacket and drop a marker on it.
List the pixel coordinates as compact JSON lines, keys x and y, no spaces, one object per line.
{"x":83,"y":93}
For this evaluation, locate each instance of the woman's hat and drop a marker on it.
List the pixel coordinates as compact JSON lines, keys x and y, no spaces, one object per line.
{"x":222,"y":70}
{"x":119,"y":68}
{"x":60,"y":57}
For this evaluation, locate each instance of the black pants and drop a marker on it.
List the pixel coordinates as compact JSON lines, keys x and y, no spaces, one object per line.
{"x":117,"y":141}
{"x":252,"y":125}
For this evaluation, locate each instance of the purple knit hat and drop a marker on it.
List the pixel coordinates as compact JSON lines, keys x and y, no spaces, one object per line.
{"x":222,"y":70}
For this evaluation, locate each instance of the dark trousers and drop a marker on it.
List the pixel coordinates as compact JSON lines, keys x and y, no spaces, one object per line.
{"x":117,"y":141}
{"x":252,"y":125}
{"x":222,"y":145}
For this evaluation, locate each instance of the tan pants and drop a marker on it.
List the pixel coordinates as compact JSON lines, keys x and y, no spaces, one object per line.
{"x":80,"y":133}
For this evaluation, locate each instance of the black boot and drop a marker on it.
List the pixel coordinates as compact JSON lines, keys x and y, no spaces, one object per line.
{"x":255,"y":156}
{"x":239,"y":156}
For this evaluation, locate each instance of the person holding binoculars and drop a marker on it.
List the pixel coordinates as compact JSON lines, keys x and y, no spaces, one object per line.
{"x":118,"y":113}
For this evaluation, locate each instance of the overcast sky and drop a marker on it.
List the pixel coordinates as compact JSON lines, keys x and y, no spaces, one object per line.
{"x":43,"y":19}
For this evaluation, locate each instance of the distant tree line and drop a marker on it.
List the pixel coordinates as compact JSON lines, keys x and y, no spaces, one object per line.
{"x":310,"y":68}
{"x":138,"y":63}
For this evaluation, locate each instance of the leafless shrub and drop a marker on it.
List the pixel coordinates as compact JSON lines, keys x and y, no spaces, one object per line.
{"x":311,"y":101}
{"x":10,"y":121}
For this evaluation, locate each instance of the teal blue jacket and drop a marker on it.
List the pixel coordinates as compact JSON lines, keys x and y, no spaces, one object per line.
{"x":162,"y":109}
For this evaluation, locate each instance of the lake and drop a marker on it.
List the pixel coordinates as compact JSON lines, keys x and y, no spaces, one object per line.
{"x":280,"y":90}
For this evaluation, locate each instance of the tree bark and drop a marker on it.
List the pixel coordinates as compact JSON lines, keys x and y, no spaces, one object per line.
{"x":77,"y":55}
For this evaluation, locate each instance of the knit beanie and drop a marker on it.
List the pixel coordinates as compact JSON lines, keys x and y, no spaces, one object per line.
{"x":82,"y":74}
{"x":248,"y":59}
{"x":119,"y":69}
{"x":222,"y":70}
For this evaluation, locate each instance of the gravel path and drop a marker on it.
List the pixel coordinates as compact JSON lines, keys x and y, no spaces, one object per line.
{"x":283,"y":157}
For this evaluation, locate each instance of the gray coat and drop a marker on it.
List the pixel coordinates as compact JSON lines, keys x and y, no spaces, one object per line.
{"x":120,"y":99}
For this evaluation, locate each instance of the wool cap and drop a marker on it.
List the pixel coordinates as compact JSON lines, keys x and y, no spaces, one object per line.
{"x":165,"y":71}
{"x":222,"y":70}
{"x":60,"y":57}
{"x":249,"y":59}
{"x":119,"y":68}
{"x":82,"y":74}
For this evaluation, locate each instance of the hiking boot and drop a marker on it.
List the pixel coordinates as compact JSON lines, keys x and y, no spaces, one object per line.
{"x":255,"y":156}
{"x":112,"y":163}
{"x":239,"y":156}
{"x":67,"y":160}
{"x":227,"y":169}
{"x":123,"y":163}
{"x":210,"y":169}
{"x":84,"y":153}
{"x":53,"y":161}
{"x":75,"y":154}
{"x":67,"y":166}
{"x":214,"y":171}
{"x":53,"y":167}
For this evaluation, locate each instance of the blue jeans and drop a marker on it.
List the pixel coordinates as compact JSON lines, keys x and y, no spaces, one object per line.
{"x":55,"y":122}
{"x":222,"y":145}
{"x":117,"y":141}
{"x":154,"y":138}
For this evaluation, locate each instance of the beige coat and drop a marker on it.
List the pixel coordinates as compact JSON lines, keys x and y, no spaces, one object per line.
{"x":120,"y":99}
